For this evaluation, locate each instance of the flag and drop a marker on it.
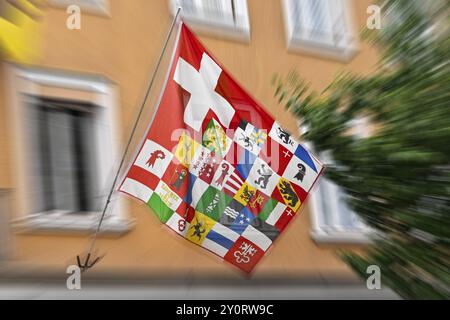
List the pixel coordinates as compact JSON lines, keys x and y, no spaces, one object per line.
{"x":19,"y":30}
{"x":215,"y":167}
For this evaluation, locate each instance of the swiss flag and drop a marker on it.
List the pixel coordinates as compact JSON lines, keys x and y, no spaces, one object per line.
{"x":214,"y":164}
{"x":197,"y":74}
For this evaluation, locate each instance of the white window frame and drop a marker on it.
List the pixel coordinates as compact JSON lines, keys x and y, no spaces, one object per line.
{"x":24,"y":82}
{"x":235,"y":30}
{"x":99,"y":7}
{"x":304,"y":42}
{"x":336,"y":233}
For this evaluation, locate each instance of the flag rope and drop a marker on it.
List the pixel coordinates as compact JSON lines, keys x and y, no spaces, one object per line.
{"x":86,"y":264}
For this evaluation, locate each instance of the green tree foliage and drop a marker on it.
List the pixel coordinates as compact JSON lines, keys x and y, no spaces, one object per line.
{"x":398,"y":178}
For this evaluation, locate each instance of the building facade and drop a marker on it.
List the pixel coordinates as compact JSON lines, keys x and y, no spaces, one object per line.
{"x":67,"y":112}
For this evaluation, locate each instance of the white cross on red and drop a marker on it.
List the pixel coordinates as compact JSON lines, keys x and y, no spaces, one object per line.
{"x":202,"y":87}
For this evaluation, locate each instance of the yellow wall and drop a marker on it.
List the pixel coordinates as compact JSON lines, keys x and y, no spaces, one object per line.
{"x":124,"y":48}
{"x":3,"y":132}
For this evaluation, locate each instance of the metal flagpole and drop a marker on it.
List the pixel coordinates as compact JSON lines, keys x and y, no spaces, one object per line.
{"x":86,"y":264}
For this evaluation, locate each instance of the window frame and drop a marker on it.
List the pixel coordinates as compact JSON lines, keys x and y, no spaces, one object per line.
{"x":299,"y":44}
{"x":239,"y":31}
{"x":25,"y":83}
{"x":338,"y":234}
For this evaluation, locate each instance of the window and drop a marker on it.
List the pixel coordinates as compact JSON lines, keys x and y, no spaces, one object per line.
{"x":320,"y":27}
{"x":64,"y":125}
{"x":332,"y":220}
{"x":64,"y":164}
{"x":94,"y":6}
{"x":227,"y":18}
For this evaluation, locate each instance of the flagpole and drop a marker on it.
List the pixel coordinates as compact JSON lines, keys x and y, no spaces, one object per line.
{"x":122,"y":161}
